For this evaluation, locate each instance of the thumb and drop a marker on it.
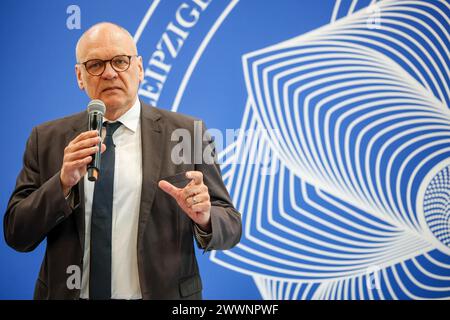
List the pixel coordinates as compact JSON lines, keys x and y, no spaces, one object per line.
{"x":168,"y":188}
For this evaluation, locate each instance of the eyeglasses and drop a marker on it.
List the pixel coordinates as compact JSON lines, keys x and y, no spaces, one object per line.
{"x":119,"y":63}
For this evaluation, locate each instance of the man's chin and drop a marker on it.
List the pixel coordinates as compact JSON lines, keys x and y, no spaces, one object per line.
{"x":112,"y":102}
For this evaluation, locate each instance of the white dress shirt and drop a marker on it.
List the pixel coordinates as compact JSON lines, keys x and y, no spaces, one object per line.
{"x":125,"y":213}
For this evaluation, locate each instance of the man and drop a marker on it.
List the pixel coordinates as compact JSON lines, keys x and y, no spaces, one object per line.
{"x":130,"y":233}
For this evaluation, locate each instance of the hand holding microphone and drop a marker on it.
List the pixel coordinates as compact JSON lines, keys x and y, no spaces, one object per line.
{"x":84,"y":151}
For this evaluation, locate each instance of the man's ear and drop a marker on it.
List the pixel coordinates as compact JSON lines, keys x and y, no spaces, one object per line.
{"x":79,"y":78}
{"x":141,"y":69}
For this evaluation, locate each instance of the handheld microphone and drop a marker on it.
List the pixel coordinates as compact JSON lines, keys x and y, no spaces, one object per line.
{"x":96,"y":111}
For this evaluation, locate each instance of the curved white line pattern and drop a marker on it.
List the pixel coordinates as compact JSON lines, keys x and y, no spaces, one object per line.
{"x":145,"y":21}
{"x":348,"y":195}
{"x":199,"y":52}
{"x":437,"y":206}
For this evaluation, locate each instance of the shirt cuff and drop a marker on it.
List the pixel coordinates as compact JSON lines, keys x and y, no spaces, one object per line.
{"x":203,"y":238}
{"x":71,"y":200}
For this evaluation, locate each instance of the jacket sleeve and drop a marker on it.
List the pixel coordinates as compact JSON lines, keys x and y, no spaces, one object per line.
{"x":226,"y":222}
{"x":35,"y":206}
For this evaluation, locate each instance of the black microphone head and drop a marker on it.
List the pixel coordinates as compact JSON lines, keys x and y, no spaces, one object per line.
{"x":96,"y":106}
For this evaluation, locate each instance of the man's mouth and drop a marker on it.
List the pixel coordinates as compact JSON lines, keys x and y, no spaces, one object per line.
{"x":111,"y":89}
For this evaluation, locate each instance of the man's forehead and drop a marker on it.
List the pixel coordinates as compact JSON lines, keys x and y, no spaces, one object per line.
{"x":104,"y":42}
{"x":105,"y":53}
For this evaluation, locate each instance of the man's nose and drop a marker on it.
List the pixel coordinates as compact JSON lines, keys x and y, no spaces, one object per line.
{"x":109,"y":72}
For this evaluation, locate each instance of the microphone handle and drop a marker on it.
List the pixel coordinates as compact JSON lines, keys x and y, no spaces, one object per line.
{"x":93,"y":168}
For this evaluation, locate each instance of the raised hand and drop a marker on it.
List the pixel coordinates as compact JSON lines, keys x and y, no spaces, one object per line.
{"x":77,"y":155}
{"x":193,"y":199}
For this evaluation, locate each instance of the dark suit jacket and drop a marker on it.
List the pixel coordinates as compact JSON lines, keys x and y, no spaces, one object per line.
{"x":167,"y":265}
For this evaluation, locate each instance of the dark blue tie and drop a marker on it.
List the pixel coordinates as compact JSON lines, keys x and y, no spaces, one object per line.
{"x":101,"y":221}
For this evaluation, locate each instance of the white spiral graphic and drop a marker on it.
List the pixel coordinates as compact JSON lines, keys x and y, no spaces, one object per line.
{"x":437,"y":206}
{"x":347,"y":195}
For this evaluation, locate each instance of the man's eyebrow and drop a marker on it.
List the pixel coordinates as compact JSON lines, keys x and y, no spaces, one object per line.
{"x":95,"y":57}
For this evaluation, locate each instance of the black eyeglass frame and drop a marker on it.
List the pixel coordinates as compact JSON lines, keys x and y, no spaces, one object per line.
{"x":110,"y":62}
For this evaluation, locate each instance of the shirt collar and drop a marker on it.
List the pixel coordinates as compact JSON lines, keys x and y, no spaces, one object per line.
{"x":130,"y":119}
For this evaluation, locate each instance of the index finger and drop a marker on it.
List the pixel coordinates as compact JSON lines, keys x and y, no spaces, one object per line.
{"x":85,"y":135}
{"x":196,"y":176}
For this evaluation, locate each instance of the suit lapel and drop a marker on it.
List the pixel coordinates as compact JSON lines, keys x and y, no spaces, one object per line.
{"x":152,"y":149}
